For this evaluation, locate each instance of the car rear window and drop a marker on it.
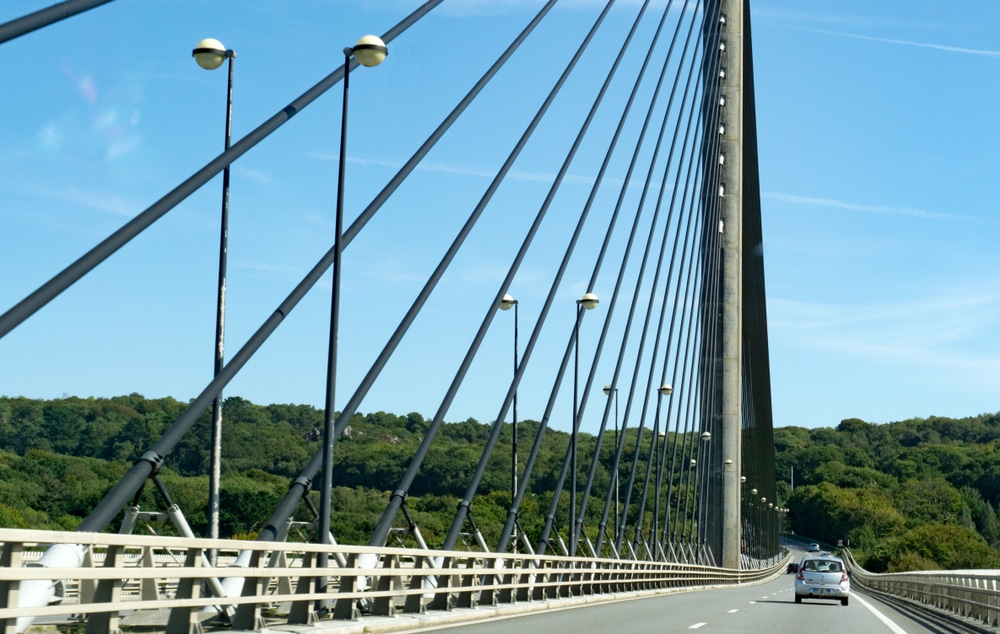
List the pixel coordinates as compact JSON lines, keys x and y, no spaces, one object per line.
{"x":818,"y":565}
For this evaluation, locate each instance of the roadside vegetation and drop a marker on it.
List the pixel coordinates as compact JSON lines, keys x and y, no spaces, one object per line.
{"x":914,"y":494}
{"x":918,"y":494}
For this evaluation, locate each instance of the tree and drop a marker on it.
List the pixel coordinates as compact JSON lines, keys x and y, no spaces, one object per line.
{"x":948,"y":546}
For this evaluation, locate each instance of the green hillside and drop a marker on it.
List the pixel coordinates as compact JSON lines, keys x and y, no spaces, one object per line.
{"x":913,"y":495}
{"x":916,"y":494}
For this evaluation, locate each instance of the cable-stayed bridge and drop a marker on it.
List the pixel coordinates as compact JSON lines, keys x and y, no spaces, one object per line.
{"x":647,"y":227}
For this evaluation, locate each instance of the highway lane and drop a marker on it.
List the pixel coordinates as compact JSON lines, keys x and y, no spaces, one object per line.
{"x":768,"y":607}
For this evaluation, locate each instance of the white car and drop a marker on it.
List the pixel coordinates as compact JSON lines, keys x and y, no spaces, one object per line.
{"x":822,"y":577}
{"x":814,"y":548}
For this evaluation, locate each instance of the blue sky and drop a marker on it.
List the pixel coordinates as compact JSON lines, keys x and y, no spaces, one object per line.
{"x":875,"y":130}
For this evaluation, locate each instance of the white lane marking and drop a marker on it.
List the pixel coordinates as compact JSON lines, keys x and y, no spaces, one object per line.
{"x":732,"y":611}
{"x":697,"y":625}
{"x":881,"y":617}
{"x":752,"y":602}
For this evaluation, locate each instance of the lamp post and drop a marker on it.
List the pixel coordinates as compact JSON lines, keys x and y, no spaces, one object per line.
{"x":209,"y":54}
{"x":744,"y":514}
{"x":770,"y":528}
{"x":369,"y":51}
{"x":588,"y":301}
{"x":760,"y":521}
{"x":607,"y":390}
{"x":703,"y":475}
{"x":665,"y":390}
{"x":505,"y":304}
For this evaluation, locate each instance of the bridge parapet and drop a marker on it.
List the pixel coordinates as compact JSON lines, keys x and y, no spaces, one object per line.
{"x":969,"y":594}
{"x":158,"y":581}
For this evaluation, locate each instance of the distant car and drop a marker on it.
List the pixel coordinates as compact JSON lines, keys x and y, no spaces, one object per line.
{"x":814,"y":548}
{"x":822,"y":577}
{"x":792,"y":567}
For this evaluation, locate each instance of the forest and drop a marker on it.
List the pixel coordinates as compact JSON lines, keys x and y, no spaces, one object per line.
{"x":918,"y":494}
{"x":915,"y":494}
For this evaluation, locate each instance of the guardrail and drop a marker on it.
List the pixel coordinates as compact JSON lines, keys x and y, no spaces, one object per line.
{"x":972,"y":594}
{"x":158,"y":581}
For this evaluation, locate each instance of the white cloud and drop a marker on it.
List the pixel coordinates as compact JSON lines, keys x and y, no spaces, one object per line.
{"x":104,"y":202}
{"x":261,"y":176}
{"x":888,"y":40}
{"x":466,"y":170}
{"x":879,"y":209}
{"x":941,"y":333}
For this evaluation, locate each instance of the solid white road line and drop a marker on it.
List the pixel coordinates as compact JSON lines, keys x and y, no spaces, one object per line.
{"x":881,"y":617}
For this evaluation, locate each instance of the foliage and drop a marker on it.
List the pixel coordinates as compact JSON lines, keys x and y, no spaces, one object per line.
{"x":60,"y":458}
{"x":917,"y":494}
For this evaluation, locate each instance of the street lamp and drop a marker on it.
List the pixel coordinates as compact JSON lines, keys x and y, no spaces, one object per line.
{"x":607,"y":390}
{"x":702,"y":480}
{"x":505,"y":304}
{"x":209,"y":54}
{"x":369,"y":51}
{"x":770,"y":529}
{"x":759,"y":521}
{"x":588,"y":302}
{"x":665,"y":390}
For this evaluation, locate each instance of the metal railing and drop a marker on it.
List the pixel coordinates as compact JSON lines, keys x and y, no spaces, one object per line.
{"x":125,"y":579}
{"x":971,"y":594}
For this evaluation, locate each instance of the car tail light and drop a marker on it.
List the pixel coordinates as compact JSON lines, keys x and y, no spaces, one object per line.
{"x":843,"y":576}
{"x":799,"y":576}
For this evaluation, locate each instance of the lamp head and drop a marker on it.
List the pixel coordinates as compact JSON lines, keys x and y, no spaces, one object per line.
{"x":370,"y":50}
{"x":210,"y":53}
{"x":607,"y":389}
{"x":588,"y":301}
{"x":666,"y":389}
{"x":507,"y":302}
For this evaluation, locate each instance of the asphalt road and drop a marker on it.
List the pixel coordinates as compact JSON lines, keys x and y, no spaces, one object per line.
{"x":768,"y":607}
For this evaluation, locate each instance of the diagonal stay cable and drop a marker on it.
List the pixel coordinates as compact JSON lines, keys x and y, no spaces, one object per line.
{"x":397,"y":498}
{"x":690,"y":306}
{"x":512,"y":513}
{"x":597,"y":267}
{"x":466,"y":503}
{"x":687,"y":308}
{"x":301,"y":484}
{"x":90,"y":260}
{"x":619,"y":282}
{"x":635,"y":373}
{"x":44,"y":17}
{"x":658,"y":270}
{"x":648,"y":391}
{"x":547,"y":527}
{"x":104,"y":512}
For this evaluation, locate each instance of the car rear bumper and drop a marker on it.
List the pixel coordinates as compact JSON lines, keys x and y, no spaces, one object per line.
{"x":834,"y":594}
